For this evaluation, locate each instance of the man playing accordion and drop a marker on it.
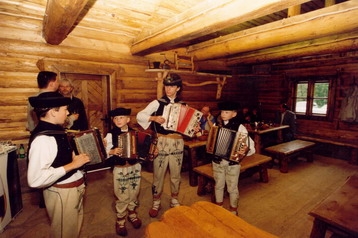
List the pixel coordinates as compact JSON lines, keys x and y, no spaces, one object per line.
{"x":228,"y":170}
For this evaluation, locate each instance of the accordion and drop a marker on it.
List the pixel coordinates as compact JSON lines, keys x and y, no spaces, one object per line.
{"x":181,"y":118}
{"x":225,"y":143}
{"x":88,"y":142}
{"x":135,"y":144}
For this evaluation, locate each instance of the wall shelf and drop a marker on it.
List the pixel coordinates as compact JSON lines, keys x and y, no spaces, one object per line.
{"x":162,"y":73}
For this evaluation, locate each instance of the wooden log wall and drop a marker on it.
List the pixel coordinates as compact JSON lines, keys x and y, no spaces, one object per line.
{"x":84,"y":51}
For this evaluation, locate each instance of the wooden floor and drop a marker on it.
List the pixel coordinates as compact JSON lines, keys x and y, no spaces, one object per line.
{"x":280,"y":207}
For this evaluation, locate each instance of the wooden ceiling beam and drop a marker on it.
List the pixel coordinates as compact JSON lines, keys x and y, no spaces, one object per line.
{"x":326,"y":45}
{"x":205,"y":18}
{"x":59,"y":19}
{"x":337,"y":19}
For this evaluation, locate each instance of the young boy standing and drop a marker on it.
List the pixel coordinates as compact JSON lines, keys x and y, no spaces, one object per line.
{"x":54,"y":167}
{"x":170,"y":146}
{"x":226,"y":171}
{"x":126,"y":173}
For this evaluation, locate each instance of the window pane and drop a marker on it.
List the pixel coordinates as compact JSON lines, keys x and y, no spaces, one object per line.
{"x":321,"y":90}
{"x":320,"y":106}
{"x":320,"y":98}
{"x":300,"y":106}
{"x":301,"y":90}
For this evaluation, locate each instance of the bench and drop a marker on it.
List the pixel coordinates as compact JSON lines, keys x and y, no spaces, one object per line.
{"x":353,"y":159}
{"x":255,"y":161}
{"x":284,"y":151}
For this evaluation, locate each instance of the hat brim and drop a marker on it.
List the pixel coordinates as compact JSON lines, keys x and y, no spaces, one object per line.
{"x":49,"y":102}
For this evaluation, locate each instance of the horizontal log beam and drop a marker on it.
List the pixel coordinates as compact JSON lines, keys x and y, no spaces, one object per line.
{"x":59,"y":19}
{"x":321,"y":46}
{"x":205,"y":18}
{"x":337,"y":19}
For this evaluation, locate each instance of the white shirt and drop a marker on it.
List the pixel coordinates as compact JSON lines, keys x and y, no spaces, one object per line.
{"x":144,"y":115}
{"x":40,"y":173}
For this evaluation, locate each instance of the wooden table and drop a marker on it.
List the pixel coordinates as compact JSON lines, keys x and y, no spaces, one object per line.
{"x":202,"y":220}
{"x":192,"y":146}
{"x":256,"y":135}
{"x":339,"y":211}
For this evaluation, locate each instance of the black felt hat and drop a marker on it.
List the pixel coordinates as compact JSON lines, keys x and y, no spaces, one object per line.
{"x":49,"y":100}
{"x":172,"y":80}
{"x":228,"y":106}
{"x":120,"y":111}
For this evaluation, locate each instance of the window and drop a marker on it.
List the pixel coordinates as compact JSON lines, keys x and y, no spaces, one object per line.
{"x":312,"y":97}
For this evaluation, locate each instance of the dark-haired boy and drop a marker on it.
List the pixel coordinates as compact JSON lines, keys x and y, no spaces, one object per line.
{"x":54,"y":167}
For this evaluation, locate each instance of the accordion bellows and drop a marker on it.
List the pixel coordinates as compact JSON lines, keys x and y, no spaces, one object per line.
{"x":181,"y":118}
{"x":225,"y":143}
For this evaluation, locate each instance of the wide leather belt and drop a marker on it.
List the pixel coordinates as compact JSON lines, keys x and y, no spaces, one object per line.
{"x":171,"y":136}
{"x":70,"y":185}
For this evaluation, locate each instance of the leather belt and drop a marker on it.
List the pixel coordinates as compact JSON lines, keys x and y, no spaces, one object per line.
{"x":71,"y":184}
{"x":171,"y":136}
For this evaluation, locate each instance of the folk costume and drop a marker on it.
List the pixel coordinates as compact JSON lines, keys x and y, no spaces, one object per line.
{"x":170,"y":147}
{"x":225,"y":171}
{"x":126,"y":178}
{"x":49,"y":151}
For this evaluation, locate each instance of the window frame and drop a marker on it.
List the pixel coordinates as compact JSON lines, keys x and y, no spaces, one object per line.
{"x":311,"y":81}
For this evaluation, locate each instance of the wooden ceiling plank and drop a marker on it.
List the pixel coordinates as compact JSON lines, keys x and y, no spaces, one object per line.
{"x":205,"y":18}
{"x":337,"y":19}
{"x":59,"y":19}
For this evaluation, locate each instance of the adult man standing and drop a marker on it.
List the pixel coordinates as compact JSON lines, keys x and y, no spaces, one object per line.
{"x":287,"y":117}
{"x":77,"y":119}
{"x":54,"y":167}
{"x":46,"y":82}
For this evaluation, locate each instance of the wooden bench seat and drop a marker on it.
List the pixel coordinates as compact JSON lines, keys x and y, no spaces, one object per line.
{"x":284,"y":151}
{"x":258,"y":161}
{"x":337,"y":141}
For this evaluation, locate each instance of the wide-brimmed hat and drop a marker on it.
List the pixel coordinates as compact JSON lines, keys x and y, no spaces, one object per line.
{"x":49,"y":100}
{"x":172,"y":80}
{"x":228,"y":106}
{"x":120,"y":111}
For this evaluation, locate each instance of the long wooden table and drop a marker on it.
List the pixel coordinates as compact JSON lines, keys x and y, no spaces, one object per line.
{"x":202,"y":220}
{"x":192,"y":146}
{"x":256,"y":135}
{"x":339,"y":211}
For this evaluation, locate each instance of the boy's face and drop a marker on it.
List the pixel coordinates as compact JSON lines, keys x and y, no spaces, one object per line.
{"x":121,"y":121}
{"x":60,"y":114}
{"x":171,"y":91}
{"x":227,"y":115}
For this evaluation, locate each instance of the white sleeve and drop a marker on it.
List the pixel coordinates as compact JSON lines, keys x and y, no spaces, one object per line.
{"x":109,"y":144}
{"x":42,"y":153}
{"x":144,"y":115}
{"x":250,"y":141}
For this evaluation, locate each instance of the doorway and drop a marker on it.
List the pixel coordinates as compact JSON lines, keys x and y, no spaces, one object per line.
{"x":93,"y":90}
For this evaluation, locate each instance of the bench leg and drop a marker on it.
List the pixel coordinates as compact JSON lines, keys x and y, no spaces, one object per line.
{"x":263,"y":173}
{"x":283,"y":163}
{"x":202,"y":181}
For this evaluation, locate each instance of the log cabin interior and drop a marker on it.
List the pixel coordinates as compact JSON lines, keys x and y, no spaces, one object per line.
{"x":256,"y":52}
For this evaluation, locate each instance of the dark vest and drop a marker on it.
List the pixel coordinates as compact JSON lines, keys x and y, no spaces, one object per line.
{"x":64,"y":150}
{"x":156,"y":127}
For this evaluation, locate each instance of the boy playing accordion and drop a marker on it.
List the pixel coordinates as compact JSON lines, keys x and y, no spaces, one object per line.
{"x":126,"y":173}
{"x":225,"y":170}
